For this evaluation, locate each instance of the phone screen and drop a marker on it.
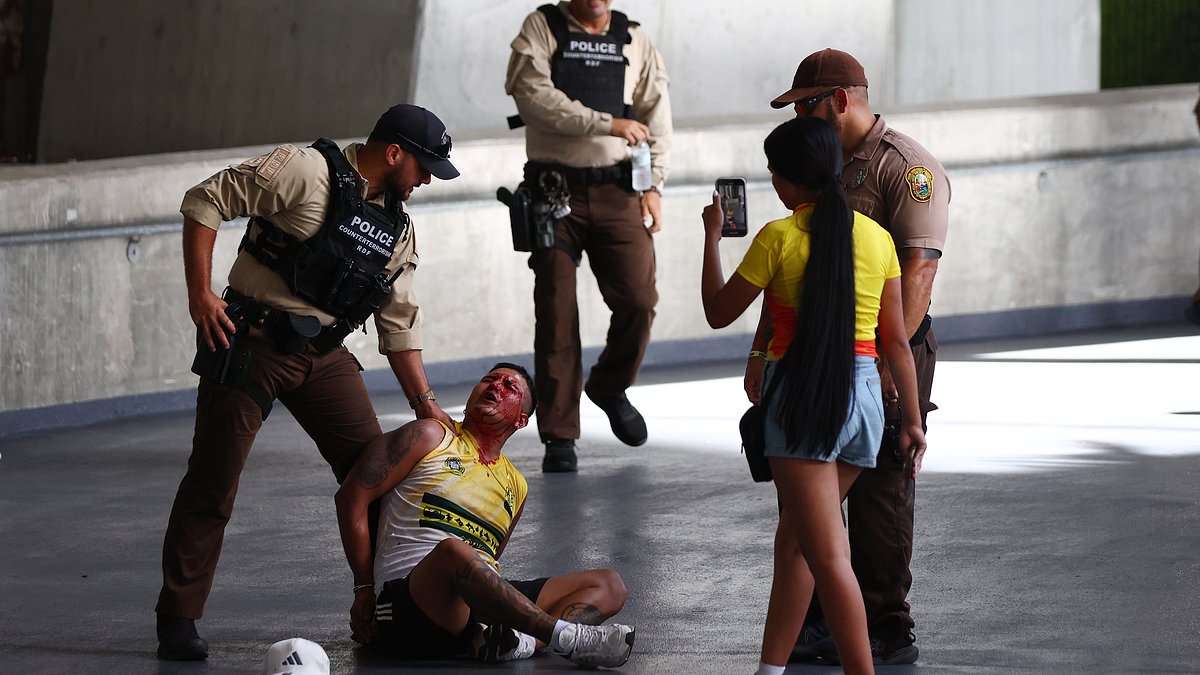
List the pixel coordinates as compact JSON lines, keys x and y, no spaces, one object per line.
{"x":733,"y":200}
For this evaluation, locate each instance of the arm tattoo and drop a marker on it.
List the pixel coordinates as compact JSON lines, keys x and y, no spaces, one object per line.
{"x":581,"y":612}
{"x":485,"y":592}
{"x":384,"y":453}
{"x":918,"y":253}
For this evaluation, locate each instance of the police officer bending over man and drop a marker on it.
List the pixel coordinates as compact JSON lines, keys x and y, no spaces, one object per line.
{"x":450,"y":502}
{"x":589,"y":85}
{"x":328,"y":245}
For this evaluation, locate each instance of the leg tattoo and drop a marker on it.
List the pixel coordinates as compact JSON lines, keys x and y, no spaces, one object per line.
{"x":582,"y":612}
{"x":485,"y":592}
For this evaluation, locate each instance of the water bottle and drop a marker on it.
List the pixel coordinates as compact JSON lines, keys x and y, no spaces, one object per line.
{"x":641,"y":167}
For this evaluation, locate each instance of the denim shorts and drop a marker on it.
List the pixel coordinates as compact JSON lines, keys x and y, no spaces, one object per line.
{"x":858,"y":443}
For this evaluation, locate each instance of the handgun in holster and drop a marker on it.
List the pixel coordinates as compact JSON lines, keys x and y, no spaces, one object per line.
{"x":228,"y":366}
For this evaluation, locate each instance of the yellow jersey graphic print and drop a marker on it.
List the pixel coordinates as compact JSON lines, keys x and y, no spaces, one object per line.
{"x":442,"y":514}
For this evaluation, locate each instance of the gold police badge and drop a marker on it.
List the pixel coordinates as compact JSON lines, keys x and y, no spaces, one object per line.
{"x":920,"y":183}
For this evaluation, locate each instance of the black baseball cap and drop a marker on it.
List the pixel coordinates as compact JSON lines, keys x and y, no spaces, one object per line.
{"x":419,"y":132}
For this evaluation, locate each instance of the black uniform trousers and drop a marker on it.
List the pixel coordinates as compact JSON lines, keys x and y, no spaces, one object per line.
{"x":880,"y":510}
{"x":606,"y":223}
{"x":326,"y":395}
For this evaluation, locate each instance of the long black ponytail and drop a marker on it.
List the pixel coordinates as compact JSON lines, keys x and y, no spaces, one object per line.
{"x":813,"y":384}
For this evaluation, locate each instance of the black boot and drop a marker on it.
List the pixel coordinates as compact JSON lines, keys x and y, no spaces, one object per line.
{"x":560,"y":456}
{"x":627,"y":423}
{"x":178,"y":640}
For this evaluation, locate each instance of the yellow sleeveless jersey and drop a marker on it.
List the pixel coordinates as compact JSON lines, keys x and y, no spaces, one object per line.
{"x":449,"y":493}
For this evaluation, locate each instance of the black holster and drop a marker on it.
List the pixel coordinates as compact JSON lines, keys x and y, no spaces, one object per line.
{"x":529,"y":218}
{"x":224,"y":366}
{"x":918,"y":337}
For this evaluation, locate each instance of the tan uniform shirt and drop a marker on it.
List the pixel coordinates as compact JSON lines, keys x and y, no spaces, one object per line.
{"x":894,"y":181}
{"x":290,"y":187}
{"x":561,"y":130}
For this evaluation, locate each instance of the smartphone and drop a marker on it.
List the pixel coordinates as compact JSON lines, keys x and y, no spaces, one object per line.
{"x":733,"y":199}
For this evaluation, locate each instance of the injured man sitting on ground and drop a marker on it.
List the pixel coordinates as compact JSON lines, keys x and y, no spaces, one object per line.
{"x":450,"y":500}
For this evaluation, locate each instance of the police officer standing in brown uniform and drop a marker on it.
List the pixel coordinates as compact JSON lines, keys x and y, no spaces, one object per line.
{"x":590,"y":87}
{"x":328,"y":245}
{"x":895,"y":181}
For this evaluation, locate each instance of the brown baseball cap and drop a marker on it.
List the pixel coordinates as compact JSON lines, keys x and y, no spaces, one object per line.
{"x":820,"y":71}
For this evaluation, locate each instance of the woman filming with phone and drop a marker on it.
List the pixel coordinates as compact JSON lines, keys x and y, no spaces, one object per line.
{"x":831,"y":278}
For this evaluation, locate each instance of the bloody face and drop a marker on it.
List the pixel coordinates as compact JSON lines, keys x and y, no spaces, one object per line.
{"x":501,"y":396}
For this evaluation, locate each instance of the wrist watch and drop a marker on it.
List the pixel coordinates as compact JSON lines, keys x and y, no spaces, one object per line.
{"x":421,"y":398}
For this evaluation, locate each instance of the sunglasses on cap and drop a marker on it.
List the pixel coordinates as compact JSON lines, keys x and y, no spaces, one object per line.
{"x":441,"y":152}
{"x":807,"y":105}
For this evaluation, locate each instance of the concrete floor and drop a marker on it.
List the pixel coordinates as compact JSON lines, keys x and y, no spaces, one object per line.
{"x":1057,"y":527}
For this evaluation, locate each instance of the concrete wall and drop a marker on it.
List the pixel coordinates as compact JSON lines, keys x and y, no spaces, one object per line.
{"x":727,"y":61}
{"x":1057,"y":202}
{"x":130,"y":77}
{"x":724,"y":62}
{"x":971,"y":50}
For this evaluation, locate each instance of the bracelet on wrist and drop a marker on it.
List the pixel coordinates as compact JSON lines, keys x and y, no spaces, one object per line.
{"x":754,"y":353}
{"x":421,"y":398}
{"x":363,"y":587}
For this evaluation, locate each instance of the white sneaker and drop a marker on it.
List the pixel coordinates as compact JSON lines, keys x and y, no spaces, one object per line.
{"x":608,"y":645}
{"x":497,"y":644}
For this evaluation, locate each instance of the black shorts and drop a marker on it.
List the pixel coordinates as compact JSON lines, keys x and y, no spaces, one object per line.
{"x":405,"y":630}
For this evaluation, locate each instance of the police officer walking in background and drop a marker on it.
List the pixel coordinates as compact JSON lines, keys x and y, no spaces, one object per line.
{"x":592,"y":92}
{"x":895,"y":181}
{"x":328,"y":245}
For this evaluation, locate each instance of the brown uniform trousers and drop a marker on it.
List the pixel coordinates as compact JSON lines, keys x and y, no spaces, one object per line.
{"x":326,"y":395}
{"x":880,"y":515}
{"x":606,"y":223}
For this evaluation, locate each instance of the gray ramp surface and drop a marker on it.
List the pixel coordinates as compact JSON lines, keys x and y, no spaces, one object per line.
{"x":1057,"y":526}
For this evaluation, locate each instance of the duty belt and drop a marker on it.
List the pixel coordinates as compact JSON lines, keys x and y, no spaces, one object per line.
{"x":291,"y":333}
{"x":614,"y":174}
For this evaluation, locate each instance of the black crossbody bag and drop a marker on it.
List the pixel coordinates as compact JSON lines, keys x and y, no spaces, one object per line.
{"x":752,"y":427}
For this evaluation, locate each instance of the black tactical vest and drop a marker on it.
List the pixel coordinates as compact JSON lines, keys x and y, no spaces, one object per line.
{"x":591,"y":68}
{"x":340,"y":269}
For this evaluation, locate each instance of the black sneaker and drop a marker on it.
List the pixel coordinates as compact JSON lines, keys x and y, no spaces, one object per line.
{"x":895,"y":649}
{"x":498,"y":643}
{"x":627,"y":423}
{"x":178,"y":640}
{"x":560,"y":456}
{"x":815,"y":642}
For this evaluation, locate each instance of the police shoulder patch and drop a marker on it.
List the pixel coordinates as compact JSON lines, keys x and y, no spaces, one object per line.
{"x":920,"y":183}
{"x":271,"y":164}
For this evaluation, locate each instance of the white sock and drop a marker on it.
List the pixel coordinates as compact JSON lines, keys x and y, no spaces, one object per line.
{"x":556,"y":638}
{"x":765,"y":668}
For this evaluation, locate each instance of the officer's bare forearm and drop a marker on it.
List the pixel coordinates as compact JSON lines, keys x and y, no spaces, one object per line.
{"x":409,"y":370}
{"x":918,"y":266}
{"x":198,"y":243}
